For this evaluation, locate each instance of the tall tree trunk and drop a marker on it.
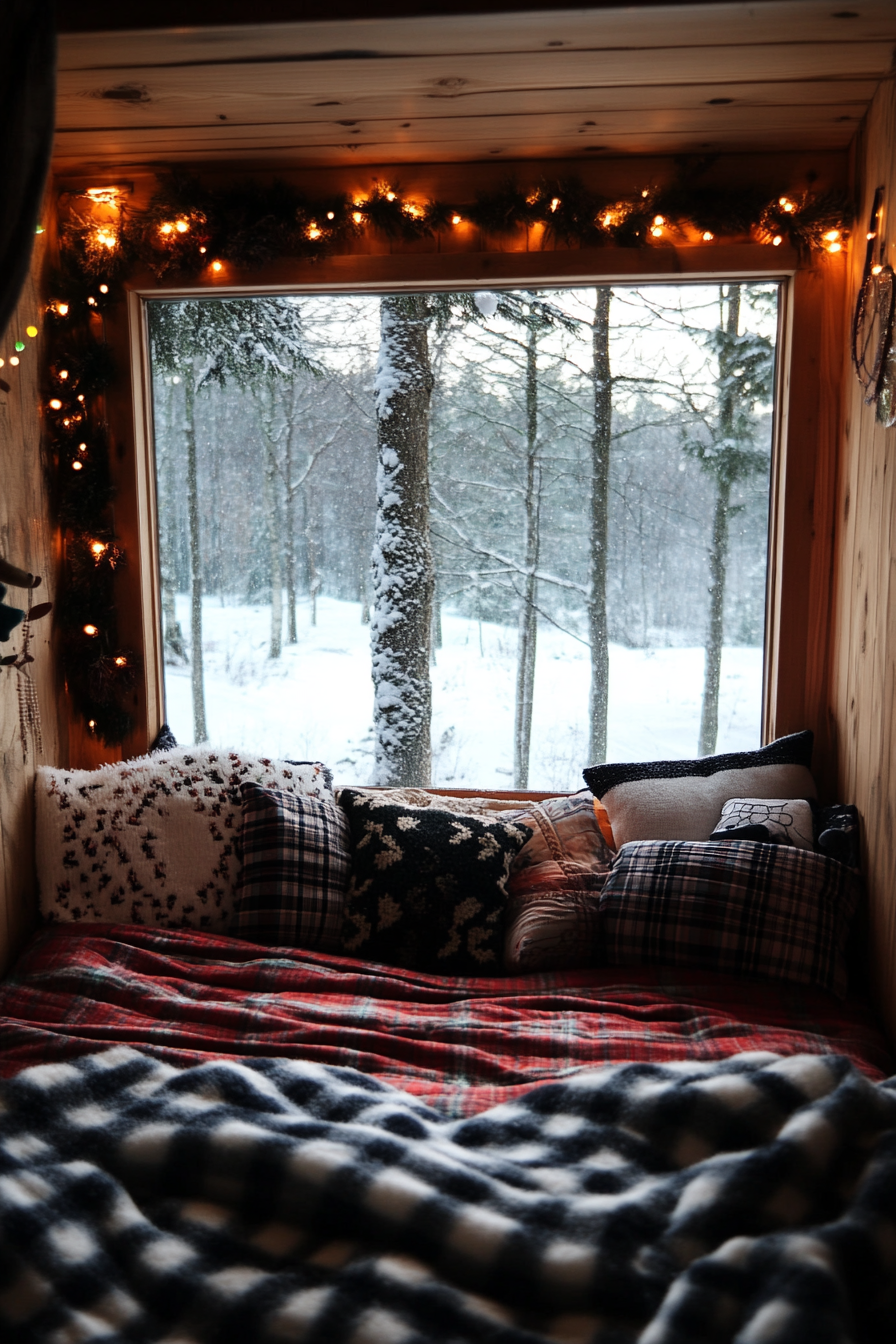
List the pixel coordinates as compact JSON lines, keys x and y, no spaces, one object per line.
{"x":401,"y":620}
{"x":528,"y":618}
{"x":600,"y":497}
{"x":314,"y":575}
{"x":436,"y":617}
{"x":270,"y":511}
{"x":173,"y":647}
{"x":200,"y":732}
{"x":362,"y":595}
{"x":292,"y":634}
{"x":709,"y":717}
{"x":718,"y":554}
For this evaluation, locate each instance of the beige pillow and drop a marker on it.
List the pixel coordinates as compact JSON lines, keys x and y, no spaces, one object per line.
{"x":682,"y":800}
{"x":152,"y":840}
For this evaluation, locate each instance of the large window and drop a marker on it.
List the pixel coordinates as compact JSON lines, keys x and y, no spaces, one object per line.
{"x":473,"y":539}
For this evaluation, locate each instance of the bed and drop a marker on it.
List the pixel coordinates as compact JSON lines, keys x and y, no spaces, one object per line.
{"x":215,"y":1137}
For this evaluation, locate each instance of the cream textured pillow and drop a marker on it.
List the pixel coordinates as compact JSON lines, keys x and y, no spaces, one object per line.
{"x":151,"y":840}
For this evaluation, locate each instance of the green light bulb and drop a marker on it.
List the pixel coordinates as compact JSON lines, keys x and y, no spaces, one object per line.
{"x":20,"y":345}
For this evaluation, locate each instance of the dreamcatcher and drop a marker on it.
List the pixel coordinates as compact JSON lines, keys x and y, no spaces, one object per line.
{"x":873,"y":356}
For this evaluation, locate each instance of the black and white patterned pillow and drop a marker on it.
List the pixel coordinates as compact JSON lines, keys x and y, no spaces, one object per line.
{"x":152,"y":840}
{"x":296,"y":863}
{"x":787,"y":820}
{"x":428,"y":888}
{"x":729,"y":905}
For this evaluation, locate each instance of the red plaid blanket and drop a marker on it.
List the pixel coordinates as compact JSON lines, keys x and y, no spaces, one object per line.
{"x":462,"y":1045}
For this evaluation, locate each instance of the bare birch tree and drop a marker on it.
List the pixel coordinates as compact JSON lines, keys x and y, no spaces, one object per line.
{"x":527,"y":621}
{"x":601,"y":439}
{"x":173,"y":646}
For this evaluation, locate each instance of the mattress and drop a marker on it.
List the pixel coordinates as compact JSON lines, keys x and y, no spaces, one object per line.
{"x":461,"y":1046}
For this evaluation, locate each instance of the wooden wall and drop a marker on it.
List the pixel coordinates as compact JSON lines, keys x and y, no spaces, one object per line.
{"x":863,"y":645}
{"x":27,"y":540}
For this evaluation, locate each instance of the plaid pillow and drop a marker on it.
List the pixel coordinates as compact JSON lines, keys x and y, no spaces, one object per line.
{"x":296,"y":864}
{"x":732,"y":905}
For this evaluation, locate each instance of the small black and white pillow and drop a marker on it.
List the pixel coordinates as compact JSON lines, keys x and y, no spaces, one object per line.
{"x":784,"y":821}
{"x":428,"y":888}
{"x":296,"y":863}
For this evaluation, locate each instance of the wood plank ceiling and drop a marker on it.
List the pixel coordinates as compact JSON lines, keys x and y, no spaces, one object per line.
{"x":557,"y":83}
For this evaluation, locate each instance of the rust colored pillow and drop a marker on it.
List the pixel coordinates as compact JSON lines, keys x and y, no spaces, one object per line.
{"x":555,"y":885}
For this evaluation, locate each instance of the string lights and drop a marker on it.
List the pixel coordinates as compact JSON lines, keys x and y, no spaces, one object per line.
{"x":188,"y":229}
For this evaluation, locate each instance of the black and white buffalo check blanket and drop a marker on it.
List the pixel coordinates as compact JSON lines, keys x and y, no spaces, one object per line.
{"x":749,"y":1200}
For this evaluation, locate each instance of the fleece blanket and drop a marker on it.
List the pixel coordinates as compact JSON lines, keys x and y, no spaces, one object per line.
{"x":751,"y":1199}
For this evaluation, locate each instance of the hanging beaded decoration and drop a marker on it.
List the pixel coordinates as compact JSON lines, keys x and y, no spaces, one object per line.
{"x":886,"y":400}
{"x":872,"y":327}
{"x":26,"y":691}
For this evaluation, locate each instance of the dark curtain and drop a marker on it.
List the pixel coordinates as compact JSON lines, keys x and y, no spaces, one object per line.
{"x":27,"y":110}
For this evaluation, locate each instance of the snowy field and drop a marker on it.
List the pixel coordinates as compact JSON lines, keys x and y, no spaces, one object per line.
{"x":316,"y":700}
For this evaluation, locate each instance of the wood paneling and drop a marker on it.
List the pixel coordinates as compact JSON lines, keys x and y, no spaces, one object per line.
{"x":447,"y":140}
{"x":547,"y":29}
{"x":802,"y":533}
{"x":28,"y":540}
{"x":863,"y":647}
{"x":548,"y":84}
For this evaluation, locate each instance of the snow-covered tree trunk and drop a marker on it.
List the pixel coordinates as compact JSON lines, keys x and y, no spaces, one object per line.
{"x":436,"y":614}
{"x":314,"y":574}
{"x":200,"y":732}
{"x":527,"y":635}
{"x":173,"y":648}
{"x":292,"y":634}
{"x":718,"y":564}
{"x":401,"y":619}
{"x":362,"y":594}
{"x":273,"y":532}
{"x":599,"y":512}
{"x":718,"y":554}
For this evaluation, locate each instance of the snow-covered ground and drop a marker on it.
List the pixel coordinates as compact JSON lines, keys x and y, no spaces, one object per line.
{"x":316,"y":700}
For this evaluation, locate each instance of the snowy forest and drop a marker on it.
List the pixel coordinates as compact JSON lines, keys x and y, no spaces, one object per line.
{"x":480,"y":539}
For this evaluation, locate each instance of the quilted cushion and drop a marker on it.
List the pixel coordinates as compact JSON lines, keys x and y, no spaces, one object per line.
{"x":554,"y":886}
{"x":428,"y":887}
{"x":682,"y":800}
{"x":730,"y":905}
{"x":296,"y":861}
{"x":152,"y":840}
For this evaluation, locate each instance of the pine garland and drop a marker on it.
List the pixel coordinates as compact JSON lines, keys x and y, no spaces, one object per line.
{"x":97,"y":670}
{"x":188,"y":228}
